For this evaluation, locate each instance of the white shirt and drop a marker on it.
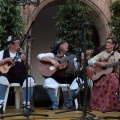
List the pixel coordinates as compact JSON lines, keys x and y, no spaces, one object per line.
{"x":12,"y":55}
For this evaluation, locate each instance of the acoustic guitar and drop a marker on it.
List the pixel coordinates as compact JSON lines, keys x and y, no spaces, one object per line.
{"x":96,"y":72}
{"x":47,"y":69}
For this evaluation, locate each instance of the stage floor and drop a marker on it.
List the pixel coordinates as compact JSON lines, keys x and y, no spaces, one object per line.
{"x":56,"y":115}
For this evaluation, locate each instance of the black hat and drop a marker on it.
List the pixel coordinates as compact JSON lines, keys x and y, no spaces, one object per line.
{"x":11,"y":39}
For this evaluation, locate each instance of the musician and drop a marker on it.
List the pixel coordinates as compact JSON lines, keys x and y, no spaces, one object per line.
{"x":66,"y":75}
{"x":104,"y":88}
{"x":15,"y":74}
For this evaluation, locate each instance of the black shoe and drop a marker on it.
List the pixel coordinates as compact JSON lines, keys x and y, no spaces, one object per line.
{"x":52,"y":108}
{"x":49,"y":108}
{"x":1,"y":109}
{"x":69,"y":104}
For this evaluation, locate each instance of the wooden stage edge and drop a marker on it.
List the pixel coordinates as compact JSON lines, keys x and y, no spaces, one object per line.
{"x":61,"y":114}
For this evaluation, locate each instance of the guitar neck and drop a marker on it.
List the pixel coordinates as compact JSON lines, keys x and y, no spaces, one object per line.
{"x":113,"y":64}
{"x":69,"y":57}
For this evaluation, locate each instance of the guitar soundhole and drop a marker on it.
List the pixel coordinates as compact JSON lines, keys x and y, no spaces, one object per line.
{"x":10,"y":64}
{"x":103,"y":68}
{"x":94,"y":72}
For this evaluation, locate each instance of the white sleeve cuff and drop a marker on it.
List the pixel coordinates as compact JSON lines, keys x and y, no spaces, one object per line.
{"x":40,"y":56}
{"x":94,"y":63}
{"x":1,"y":54}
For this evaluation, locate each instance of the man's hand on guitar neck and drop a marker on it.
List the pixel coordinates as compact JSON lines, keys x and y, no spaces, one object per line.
{"x":6,"y":60}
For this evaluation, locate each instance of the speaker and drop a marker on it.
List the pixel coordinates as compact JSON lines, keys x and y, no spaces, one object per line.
{"x":41,"y":98}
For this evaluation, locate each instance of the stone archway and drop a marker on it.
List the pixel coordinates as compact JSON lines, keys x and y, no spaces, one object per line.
{"x":100,"y":15}
{"x":42,"y":35}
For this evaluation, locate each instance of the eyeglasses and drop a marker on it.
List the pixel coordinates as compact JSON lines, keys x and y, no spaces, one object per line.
{"x":108,"y":42}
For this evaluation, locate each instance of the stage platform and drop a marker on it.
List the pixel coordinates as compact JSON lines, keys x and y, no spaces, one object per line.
{"x":52,"y":115}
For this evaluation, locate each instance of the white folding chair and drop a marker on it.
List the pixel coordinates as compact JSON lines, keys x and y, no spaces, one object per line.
{"x":17,"y":88}
{"x":68,"y":88}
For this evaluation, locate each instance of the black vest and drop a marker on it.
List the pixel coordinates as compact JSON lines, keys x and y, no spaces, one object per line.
{"x":6,"y":53}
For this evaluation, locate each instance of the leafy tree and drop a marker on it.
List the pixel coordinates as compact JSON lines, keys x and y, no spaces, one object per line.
{"x":115,"y":20}
{"x":11,"y":21}
{"x":71,"y":18}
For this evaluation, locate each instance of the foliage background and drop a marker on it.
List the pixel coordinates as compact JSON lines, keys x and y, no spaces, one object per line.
{"x":115,"y":20}
{"x":71,"y":18}
{"x":69,"y":22}
{"x":11,"y":21}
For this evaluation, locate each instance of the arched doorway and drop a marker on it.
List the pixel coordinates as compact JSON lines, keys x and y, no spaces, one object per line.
{"x":44,"y":31}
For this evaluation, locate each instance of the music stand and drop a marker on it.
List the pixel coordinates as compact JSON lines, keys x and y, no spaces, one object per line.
{"x":85,"y":112}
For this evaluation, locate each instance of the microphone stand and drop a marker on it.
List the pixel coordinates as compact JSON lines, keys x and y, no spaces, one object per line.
{"x":85,"y":112}
{"x":85,"y":117}
{"x":80,"y":85}
{"x":26,"y":112}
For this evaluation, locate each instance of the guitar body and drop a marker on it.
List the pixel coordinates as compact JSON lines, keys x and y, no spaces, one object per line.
{"x":97,"y":72}
{"x":47,"y":69}
{"x":5,"y":68}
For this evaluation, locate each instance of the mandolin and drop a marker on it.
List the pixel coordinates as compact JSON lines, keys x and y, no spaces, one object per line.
{"x":6,"y":67}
